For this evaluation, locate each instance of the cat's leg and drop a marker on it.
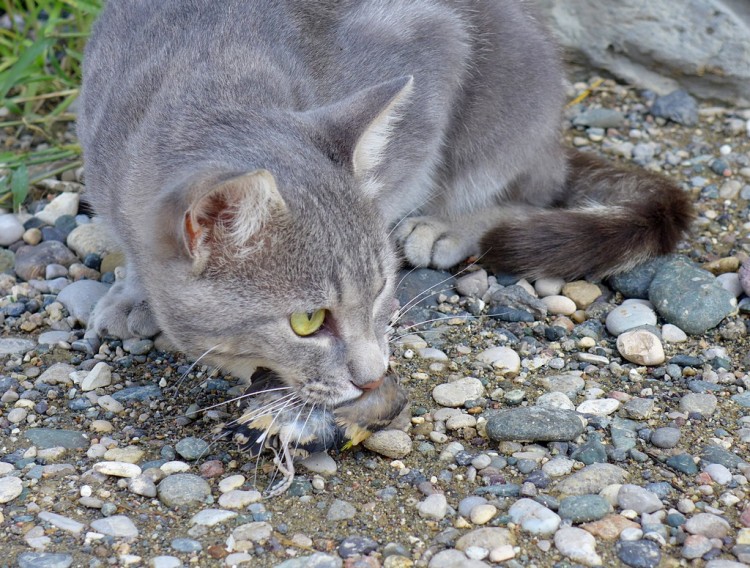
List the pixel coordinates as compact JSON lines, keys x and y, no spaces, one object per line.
{"x":124,"y":311}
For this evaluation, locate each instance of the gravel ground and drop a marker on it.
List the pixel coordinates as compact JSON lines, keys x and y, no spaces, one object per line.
{"x":553,"y":423}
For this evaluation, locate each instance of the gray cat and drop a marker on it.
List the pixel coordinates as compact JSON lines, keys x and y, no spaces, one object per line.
{"x":259,"y":160}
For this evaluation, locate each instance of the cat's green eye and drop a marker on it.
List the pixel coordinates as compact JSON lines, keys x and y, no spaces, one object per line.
{"x":307,"y":323}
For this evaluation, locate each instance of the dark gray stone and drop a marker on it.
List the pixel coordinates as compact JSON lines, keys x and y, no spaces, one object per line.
{"x":639,"y":553}
{"x":44,"y":438}
{"x":600,"y":118}
{"x":583,"y":508}
{"x":139,"y":393}
{"x":635,"y":282}
{"x":689,"y":297}
{"x":32,"y":261}
{"x":535,"y":424}
{"x":714,"y":454}
{"x":678,"y":106}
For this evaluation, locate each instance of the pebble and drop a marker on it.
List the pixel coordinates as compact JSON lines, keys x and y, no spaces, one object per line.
{"x":211,"y":517}
{"x":79,"y":298}
{"x":165,"y":561}
{"x":638,"y":499}
{"x":118,"y":526}
{"x":731,"y":283}
{"x":341,"y":511}
{"x":238,"y":499}
{"x":708,"y":525}
{"x":62,"y":523}
{"x":582,"y":293}
{"x":639,"y":553}
{"x":142,"y":485}
{"x":486,"y":537}
{"x":31,"y":261}
{"x":548,"y":286}
{"x":454,"y":559}
{"x":666,"y":437}
{"x":592,"y":479}
{"x":701,"y":403}
{"x":356,"y":546}
{"x":578,"y":545}
{"x":482,"y":514}
{"x":570,"y":385}
{"x":560,"y":305}
{"x":186,"y":545}
{"x":10,"y":488}
{"x":599,"y":407}
{"x":11,"y":230}
{"x":673,"y":334}
{"x":474,"y":284}
{"x":91,"y":238}
{"x":15,"y":345}
{"x":191,"y":448}
{"x":44,"y":560}
{"x":182,"y":489}
{"x":44,"y":438}
{"x":583,"y":508}
{"x":456,"y":393}
{"x":534,"y":424}
{"x":641,"y":346}
{"x":677,"y":106}
{"x":434,"y":506}
{"x":391,"y":443}
{"x":628,"y":316}
{"x":534,"y":517}
{"x":322,"y":463}
{"x":695,"y":546}
{"x":117,"y":469}
{"x":610,"y":527}
{"x":503,"y":358}
{"x":98,"y":377}
{"x":64,"y":204}
{"x":689,"y":297}
{"x":719,"y":473}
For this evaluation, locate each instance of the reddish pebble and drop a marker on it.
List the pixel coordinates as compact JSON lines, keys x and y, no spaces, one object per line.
{"x":703,"y":479}
{"x":619,"y":395}
{"x":745,"y":517}
{"x":216,"y":551}
{"x":211,"y":468}
{"x":361,"y":562}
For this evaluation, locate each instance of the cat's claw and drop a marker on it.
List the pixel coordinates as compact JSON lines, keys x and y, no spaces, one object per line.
{"x":429,"y":241}
{"x":123,"y":313}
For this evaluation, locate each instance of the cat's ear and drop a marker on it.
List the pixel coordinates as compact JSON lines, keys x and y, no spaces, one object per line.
{"x":361,"y":125}
{"x":386,"y":100}
{"x":230,"y":213}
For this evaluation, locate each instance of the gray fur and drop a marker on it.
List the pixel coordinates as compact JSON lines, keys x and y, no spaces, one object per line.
{"x":364,"y":112}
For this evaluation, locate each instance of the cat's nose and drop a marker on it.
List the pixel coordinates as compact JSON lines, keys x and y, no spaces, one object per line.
{"x":371,"y":386}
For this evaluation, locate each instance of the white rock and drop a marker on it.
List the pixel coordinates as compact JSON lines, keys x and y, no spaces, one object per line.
{"x":549,"y":286}
{"x":231,"y":482}
{"x":534,"y":517}
{"x":432,"y":354}
{"x":503,"y":358}
{"x":62,"y":523}
{"x":110,"y":404}
{"x":238,"y":499}
{"x":17,"y":415}
{"x":482,"y":514}
{"x":628,"y":316}
{"x":641,"y":346}
{"x":731,"y":282}
{"x":558,"y":467}
{"x":555,"y":400}
{"x":211,"y":517}
{"x":456,"y":393}
{"x":10,"y":488}
{"x":434,"y":506}
{"x":673,"y":334}
{"x":321,"y":463}
{"x":599,"y":407}
{"x":117,"y":469}
{"x":719,"y":473}
{"x":391,"y":443}
{"x":460,"y":421}
{"x":11,"y":230}
{"x":64,"y":204}
{"x":99,"y":376}
{"x":92,"y":238}
{"x":559,"y":305}
{"x":502,"y":553}
{"x":175,"y":466}
{"x":473,"y":284}
{"x":578,"y":545}
{"x":116,"y":525}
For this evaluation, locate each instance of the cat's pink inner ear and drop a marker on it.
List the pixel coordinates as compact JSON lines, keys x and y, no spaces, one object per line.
{"x":232,"y":212}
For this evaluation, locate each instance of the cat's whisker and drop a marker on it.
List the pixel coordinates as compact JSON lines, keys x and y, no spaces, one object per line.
{"x":192,"y":366}
{"x":272,"y":407}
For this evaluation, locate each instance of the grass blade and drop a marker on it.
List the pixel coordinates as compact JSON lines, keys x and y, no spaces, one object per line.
{"x":19,"y":186}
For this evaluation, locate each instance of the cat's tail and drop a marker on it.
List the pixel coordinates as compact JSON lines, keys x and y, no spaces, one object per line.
{"x":608,"y":220}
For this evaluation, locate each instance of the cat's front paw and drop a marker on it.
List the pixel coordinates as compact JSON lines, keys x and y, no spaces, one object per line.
{"x":429,"y":241}
{"x":123,"y":312}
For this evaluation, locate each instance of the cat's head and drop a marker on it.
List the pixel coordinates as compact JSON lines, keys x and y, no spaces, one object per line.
{"x":287,"y":265}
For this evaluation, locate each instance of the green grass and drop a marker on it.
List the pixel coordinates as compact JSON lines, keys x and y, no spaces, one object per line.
{"x":40,"y":72}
